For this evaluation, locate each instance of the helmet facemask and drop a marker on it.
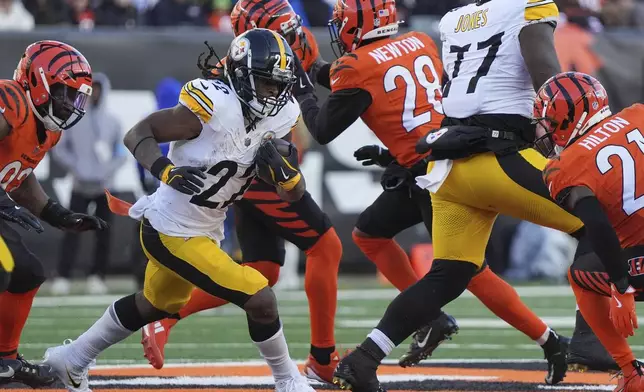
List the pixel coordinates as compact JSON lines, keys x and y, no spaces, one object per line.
{"x":335,"y":28}
{"x":544,"y":142}
{"x":65,"y":106}
{"x":294,"y":35}
{"x":263,"y":93}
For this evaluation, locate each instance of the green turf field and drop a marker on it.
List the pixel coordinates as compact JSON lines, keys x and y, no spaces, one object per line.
{"x":222,"y":334}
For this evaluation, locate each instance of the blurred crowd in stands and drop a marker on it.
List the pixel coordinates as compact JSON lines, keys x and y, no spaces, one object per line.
{"x":22,"y":15}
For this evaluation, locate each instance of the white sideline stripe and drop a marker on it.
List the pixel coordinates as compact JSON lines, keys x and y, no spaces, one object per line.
{"x":576,"y":388}
{"x":267,"y":380}
{"x":481,"y":323}
{"x":369,"y":294}
{"x":108,"y":364}
{"x":196,"y":346}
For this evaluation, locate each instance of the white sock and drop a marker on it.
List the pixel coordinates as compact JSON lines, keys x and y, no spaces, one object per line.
{"x":105,"y":332}
{"x":275,"y":352}
{"x":544,"y":338}
{"x":382,"y":340}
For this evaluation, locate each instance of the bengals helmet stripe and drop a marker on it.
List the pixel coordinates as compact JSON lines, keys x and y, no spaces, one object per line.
{"x":571,"y":104}
{"x":360,"y":14}
{"x":280,"y":45}
{"x":581,"y":92}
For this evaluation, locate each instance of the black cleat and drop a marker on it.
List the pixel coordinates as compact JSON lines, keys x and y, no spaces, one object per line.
{"x":21,"y":371}
{"x":554,"y":350}
{"x":357,"y":372}
{"x":586,"y":351}
{"x":428,"y":338}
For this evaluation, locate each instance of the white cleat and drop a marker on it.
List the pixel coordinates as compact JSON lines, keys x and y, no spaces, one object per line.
{"x":75,"y":379}
{"x":294,"y":384}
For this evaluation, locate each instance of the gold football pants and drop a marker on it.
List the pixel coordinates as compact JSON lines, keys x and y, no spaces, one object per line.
{"x":481,"y":187}
{"x":177,"y":265}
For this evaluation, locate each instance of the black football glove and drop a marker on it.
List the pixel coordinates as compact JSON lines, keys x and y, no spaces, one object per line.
{"x":303,"y":86}
{"x":64,"y":219}
{"x":184,"y":179}
{"x":12,"y":212}
{"x":276,"y":169}
{"x":373,"y":155}
{"x":395,"y":177}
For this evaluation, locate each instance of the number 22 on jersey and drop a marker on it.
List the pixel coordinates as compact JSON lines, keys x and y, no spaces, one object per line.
{"x":630,"y":202}
{"x":413,"y":81}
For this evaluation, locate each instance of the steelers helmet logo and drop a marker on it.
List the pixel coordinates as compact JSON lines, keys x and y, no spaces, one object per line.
{"x":239,"y":49}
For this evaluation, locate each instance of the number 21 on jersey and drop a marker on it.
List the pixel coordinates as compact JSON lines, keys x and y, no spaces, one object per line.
{"x":630,"y":202}
{"x":415,"y":79}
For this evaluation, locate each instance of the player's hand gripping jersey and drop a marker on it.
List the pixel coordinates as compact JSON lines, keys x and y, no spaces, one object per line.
{"x":482,"y":56}
{"x":27,"y":142}
{"x":402,"y":75}
{"x":609,"y":160}
{"x":225,"y":148}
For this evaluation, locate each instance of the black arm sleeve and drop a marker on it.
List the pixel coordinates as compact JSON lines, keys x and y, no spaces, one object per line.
{"x":323,"y":77}
{"x":340,"y":110}
{"x":602,"y":236}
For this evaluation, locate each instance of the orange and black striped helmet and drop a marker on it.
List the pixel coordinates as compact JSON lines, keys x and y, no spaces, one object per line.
{"x":58,"y":82}
{"x":276,"y":15}
{"x":566,"y":107}
{"x":355,"y":21}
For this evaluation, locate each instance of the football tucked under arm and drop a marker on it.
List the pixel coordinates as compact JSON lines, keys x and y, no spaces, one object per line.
{"x":277,"y":164}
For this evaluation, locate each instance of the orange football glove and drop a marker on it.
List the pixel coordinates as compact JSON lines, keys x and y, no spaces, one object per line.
{"x":622,"y":310}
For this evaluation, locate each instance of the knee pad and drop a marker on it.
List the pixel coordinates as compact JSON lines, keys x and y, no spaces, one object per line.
{"x":449,"y":279}
{"x":262,"y":307}
{"x":135,"y":311}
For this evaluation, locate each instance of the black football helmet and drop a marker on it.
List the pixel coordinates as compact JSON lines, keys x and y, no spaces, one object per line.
{"x":260,"y":67}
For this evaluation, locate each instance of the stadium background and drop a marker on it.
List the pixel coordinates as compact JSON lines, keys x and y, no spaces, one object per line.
{"x":601,"y":37}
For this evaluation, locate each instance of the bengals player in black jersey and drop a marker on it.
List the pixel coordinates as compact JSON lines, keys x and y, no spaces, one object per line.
{"x":47,"y":95}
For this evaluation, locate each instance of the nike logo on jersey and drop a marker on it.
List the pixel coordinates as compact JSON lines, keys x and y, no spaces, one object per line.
{"x":302,"y":85}
{"x":2,"y":110}
{"x":423,"y":343}
{"x":334,"y":80}
{"x":204,"y":86}
{"x":284,"y":174}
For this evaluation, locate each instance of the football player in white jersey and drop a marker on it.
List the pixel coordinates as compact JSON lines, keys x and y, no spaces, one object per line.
{"x":496,"y":53}
{"x":222,"y":128}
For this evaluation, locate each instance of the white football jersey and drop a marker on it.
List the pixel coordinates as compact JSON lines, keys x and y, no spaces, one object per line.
{"x":482,"y":56}
{"x":225,"y":148}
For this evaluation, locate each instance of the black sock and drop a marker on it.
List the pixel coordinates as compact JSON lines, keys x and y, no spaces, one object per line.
{"x":422,"y":302}
{"x":322,"y":354}
{"x":262,"y":332}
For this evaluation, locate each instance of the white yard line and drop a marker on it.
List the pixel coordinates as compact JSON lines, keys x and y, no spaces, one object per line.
{"x":368,"y":294}
{"x":481,"y":323}
{"x":267,"y":380}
